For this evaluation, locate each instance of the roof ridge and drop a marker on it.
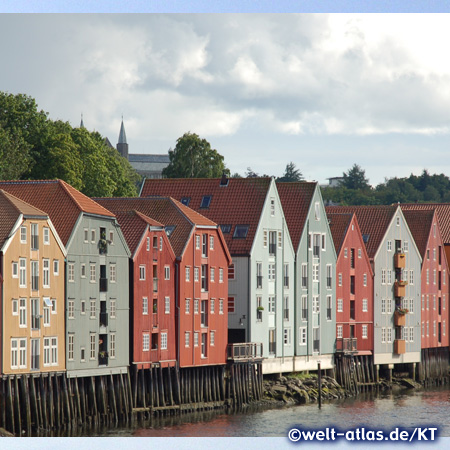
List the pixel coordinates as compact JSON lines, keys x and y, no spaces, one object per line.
{"x":13,"y":200}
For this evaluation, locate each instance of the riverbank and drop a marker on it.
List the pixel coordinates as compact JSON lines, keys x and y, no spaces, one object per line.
{"x":300,"y":388}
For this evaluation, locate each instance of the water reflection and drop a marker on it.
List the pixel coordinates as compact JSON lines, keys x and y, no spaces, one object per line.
{"x":384,"y":411}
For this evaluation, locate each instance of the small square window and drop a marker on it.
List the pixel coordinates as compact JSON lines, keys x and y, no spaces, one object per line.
{"x":225,"y":229}
{"x":240,"y":231}
{"x":185,"y":200}
{"x":206,"y":200}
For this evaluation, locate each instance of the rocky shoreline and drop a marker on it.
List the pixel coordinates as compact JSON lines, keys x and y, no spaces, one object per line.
{"x":304,"y":388}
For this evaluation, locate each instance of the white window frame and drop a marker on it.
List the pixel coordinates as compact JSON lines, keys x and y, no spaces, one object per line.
{"x":46,"y":273}
{"x":166,"y":305}
{"x":164,"y":341}
{"x":15,"y":269}
{"x":112,"y":346}
{"x":364,"y":331}
{"x":142,"y":272}
{"x":22,"y":272}
{"x":23,"y":234}
{"x":167,"y":272}
{"x":92,"y":273}
{"x":340,"y":305}
{"x":46,"y":235}
{"x":144,"y":306}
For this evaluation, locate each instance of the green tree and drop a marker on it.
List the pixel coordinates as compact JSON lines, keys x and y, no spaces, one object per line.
{"x":355,"y":178}
{"x":291,"y":173}
{"x":193,"y":157}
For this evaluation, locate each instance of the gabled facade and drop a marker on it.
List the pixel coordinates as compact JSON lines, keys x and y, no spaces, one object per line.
{"x":96,"y":275}
{"x":354,"y":287}
{"x":315,"y":266}
{"x":32,"y":290}
{"x":200,"y":275}
{"x":261,"y":277}
{"x":152,"y":291}
{"x":434,"y":277}
{"x":396,"y":264}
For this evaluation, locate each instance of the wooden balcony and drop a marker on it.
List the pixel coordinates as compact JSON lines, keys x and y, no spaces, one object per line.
{"x":399,"y":319}
{"x":399,"y":260}
{"x":346,"y":345}
{"x":400,"y":288}
{"x":399,"y":346}
{"x":245,"y":351}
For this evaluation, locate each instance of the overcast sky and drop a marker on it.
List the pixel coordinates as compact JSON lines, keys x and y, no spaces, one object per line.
{"x":324,"y":91}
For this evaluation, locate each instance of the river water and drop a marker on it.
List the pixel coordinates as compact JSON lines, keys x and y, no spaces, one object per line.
{"x":385,"y":411}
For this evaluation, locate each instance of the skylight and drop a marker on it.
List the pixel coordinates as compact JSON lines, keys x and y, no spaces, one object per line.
{"x":365,"y":238}
{"x":185,"y":200}
{"x":206,"y":200}
{"x":240,"y":231}
{"x":169,"y":229}
{"x":225,"y":229}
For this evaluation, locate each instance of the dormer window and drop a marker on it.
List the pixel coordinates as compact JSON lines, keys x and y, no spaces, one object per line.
{"x":185,"y":200}
{"x":240,"y":231}
{"x":206,"y":200}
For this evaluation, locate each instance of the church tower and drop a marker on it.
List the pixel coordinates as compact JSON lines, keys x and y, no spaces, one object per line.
{"x":122,"y":146}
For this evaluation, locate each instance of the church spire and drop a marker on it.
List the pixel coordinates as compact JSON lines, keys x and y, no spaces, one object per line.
{"x":122,"y":146}
{"x":81,"y":123}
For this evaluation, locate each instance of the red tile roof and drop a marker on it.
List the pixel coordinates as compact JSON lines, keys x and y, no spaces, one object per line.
{"x":10,"y":209}
{"x":373,"y":222}
{"x":442,"y":214}
{"x":339,"y":224}
{"x":163,"y":209}
{"x":240,"y":202}
{"x":420,"y":223}
{"x":58,"y":199}
{"x":296,"y":200}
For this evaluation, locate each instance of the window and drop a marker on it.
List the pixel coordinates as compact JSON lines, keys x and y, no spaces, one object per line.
{"x":272,"y":207}
{"x":231,"y":305}
{"x":317,"y":210}
{"x":46,"y":273}
{"x":71,"y":309}
{"x":240,"y":231}
{"x":92,"y":273}
{"x":411,"y":306}
{"x":225,"y":228}
{"x":83,"y":307}
{"x":365,"y":279}
{"x":359,"y":253}
{"x":428,"y":276}
{"x":434,"y":276}
{"x":339,"y":332}
{"x":304,"y":307}
{"x":166,"y":272}
{"x":112,"y":273}
{"x":70,"y":346}
{"x":82,"y":354}
{"x":329,"y":307}
{"x":185,"y":200}
{"x":271,"y":270}
{"x":212,"y":275}
{"x":155,"y":241}
{"x":35,"y":275}
{"x":145,"y":342}
{"x":221,"y":306}
{"x":211,"y":242}
{"x":204,"y":313}
{"x":14,"y":354}
{"x":329,"y":276}
{"x":340,"y":279}
{"x":92,"y":346}
{"x":304,"y":276}
{"x":34,"y":236}
{"x":345,"y":252}
{"x":206,"y":200}
{"x":55,"y":267}
{"x":148,"y":244}
{"x":383,"y":335}
{"x":316,"y":245}
{"x":340,"y":305}
{"x":144,"y":305}
{"x":187,"y":339}
{"x":272,"y":242}
{"x":258,"y":275}
{"x":315,"y":304}
{"x":196,"y":274}
{"x":389,"y":334}
{"x":231,"y":272}
{"x":287,"y":336}
{"x":83,"y":270}
{"x":212,"y":305}
{"x":46,"y":235}
{"x":195,"y":339}
{"x":389,"y":276}
{"x":383,"y":276}
{"x":15,"y":307}
{"x":22,"y":353}
{"x":22,"y":313}
{"x":389,"y":246}
{"x":92,"y":309}
{"x":187,"y":306}
{"x":93,"y":236}
{"x":423,"y":302}
{"x":195,"y":306}
{"x":188,"y":273}
{"x":411,"y":334}
{"x":383,"y":306}
{"x":286,"y":276}
{"x":286,"y":308}
{"x":364,"y":304}
{"x":204,"y":277}
{"x":15,"y":269}
{"x":315,"y":273}
{"x":112,"y":345}
{"x":221,"y":275}
{"x":163,"y":341}
{"x":166,"y":305}
{"x":23,"y":235}
{"x":47,"y":309}
{"x":302,"y":335}
{"x":389,"y":306}
{"x":141,"y":273}
{"x":364,"y":331}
